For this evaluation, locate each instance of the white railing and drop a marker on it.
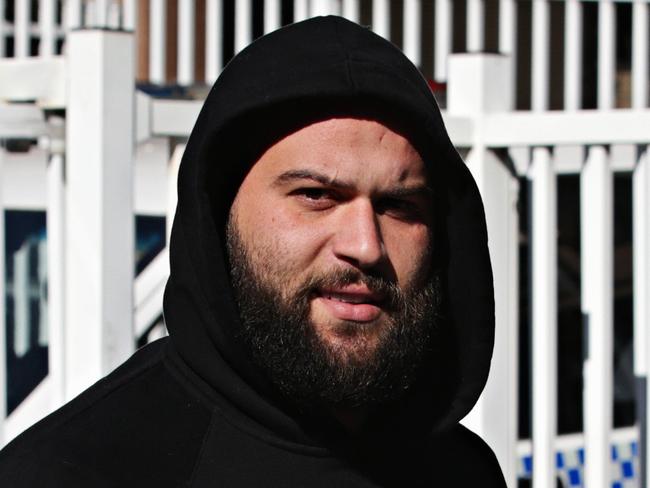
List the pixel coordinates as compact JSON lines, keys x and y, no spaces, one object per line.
{"x":196,"y":39}
{"x":481,"y":95}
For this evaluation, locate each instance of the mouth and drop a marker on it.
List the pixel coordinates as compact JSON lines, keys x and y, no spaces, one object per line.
{"x":351,"y":303}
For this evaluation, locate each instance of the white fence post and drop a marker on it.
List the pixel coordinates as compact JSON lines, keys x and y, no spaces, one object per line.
{"x":480,"y":84}
{"x":641,"y":253}
{"x":544,"y":318}
{"x":597,"y":226}
{"x":72,"y":14}
{"x":99,"y":230}
{"x":300,"y":10}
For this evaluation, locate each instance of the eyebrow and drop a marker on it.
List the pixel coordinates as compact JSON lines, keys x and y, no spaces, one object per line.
{"x":323,"y":179}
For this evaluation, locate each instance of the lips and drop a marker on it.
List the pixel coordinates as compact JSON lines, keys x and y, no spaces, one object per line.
{"x":351,"y":303}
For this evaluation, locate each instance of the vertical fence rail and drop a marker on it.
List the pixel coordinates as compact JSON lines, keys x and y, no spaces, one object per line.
{"x":544,"y":289}
{"x":411,"y":30}
{"x":157,"y":42}
{"x":213,"y":41}
{"x":641,"y":253}
{"x":47,"y":27}
{"x":640,"y":13}
{"x":72,"y":14}
{"x":243,"y":24}
{"x":606,"y":54}
{"x":300,"y":10}
{"x":540,"y":54}
{"x":573,"y":55}
{"x":443,"y":38}
{"x":271,"y":15}
{"x":186,"y":13}
{"x":22,"y":15}
{"x":130,"y":15}
{"x":350,"y":10}
{"x":597,"y":229}
{"x":475,"y":23}
{"x":381,"y":18}
{"x":3,"y":33}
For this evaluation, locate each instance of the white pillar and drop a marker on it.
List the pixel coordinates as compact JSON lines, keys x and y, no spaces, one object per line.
{"x":186,"y":53}
{"x":22,"y":329}
{"x":99,"y":224}
{"x":597,"y":229}
{"x":640,"y":12}
{"x":22,"y":24}
{"x":606,"y":54}
{"x":381,"y":18}
{"x":540,"y":54}
{"x":412,"y":30}
{"x":641,"y":253}
{"x":443,"y":33}
{"x":480,"y":84}
{"x":573,"y":55}
{"x":243,"y":24}
{"x":157,"y":40}
{"x":507,"y":26}
{"x":213,"y":39}
{"x":475,"y":29}
{"x":544,"y":337}
{"x":350,"y":10}
{"x":272,"y":15}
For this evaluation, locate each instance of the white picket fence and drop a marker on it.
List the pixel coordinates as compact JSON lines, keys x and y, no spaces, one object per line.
{"x":503,"y":147}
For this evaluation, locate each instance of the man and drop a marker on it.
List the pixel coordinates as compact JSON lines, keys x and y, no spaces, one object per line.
{"x":330,"y":301}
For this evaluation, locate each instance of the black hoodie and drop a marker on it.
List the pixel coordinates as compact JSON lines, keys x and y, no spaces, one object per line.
{"x":192,"y":409}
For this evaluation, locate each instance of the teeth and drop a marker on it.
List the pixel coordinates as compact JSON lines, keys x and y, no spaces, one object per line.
{"x":346,"y":298}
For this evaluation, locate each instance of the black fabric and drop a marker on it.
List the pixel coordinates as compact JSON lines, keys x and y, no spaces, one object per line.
{"x":193,"y":410}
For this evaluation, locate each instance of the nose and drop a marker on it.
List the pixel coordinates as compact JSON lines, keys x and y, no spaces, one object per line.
{"x":358,"y":239}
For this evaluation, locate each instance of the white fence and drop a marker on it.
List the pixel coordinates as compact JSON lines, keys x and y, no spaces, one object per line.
{"x":186,"y":43}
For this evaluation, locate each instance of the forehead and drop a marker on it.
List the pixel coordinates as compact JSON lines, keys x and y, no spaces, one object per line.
{"x":363,"y":150}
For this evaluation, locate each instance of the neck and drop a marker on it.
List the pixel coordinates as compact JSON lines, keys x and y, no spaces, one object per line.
{"x":352,"y":419}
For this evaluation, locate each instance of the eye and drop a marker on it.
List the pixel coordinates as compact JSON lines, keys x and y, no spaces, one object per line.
{"x":315,"y":197}
{"x":400,"y":209}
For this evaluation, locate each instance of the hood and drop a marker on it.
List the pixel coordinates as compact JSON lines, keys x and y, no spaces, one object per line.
{"x":322,"y":66}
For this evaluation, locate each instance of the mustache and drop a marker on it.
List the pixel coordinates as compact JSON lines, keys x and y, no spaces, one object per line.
{"x":393,"y":295}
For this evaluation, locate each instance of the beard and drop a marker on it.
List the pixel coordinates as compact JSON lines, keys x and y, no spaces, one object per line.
{"x":369,"y":364}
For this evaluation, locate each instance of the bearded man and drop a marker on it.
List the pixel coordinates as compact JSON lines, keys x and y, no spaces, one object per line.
{"x":330,"y":303}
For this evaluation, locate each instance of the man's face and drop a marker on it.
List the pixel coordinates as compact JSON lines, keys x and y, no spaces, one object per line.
{"x":333,"y":224}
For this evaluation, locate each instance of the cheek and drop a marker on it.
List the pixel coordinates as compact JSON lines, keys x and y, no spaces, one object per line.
{"x":409,"y":250}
